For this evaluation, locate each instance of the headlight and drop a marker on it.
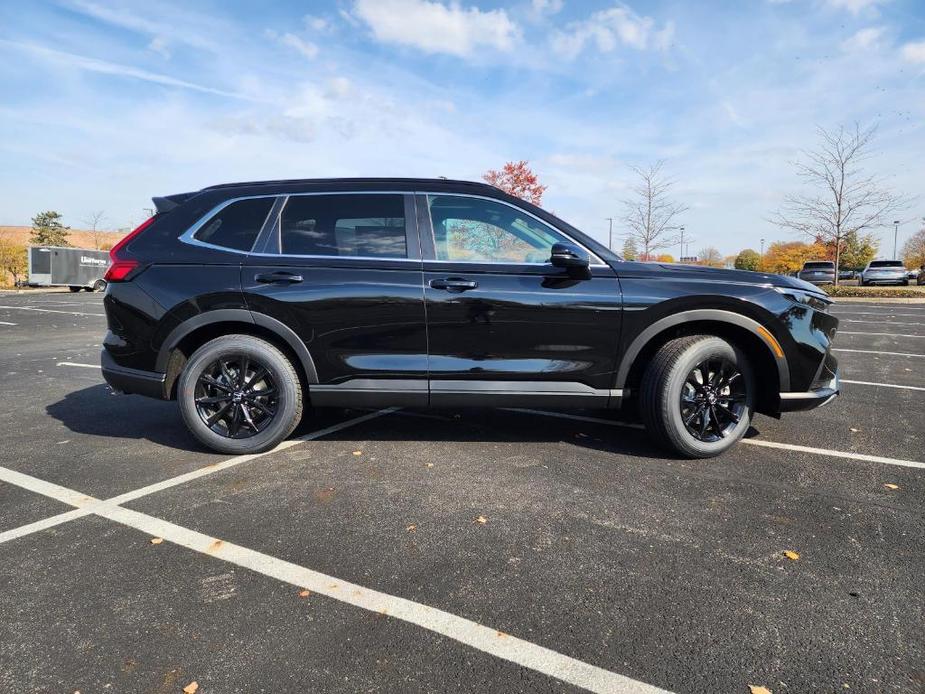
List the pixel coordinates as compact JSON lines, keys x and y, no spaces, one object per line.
{"x":811,"y":299}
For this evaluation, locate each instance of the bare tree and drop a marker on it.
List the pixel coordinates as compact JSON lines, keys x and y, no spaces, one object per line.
{"x":93,"y":222}
{"x":651,"y":214}
{"x":844,"y":200}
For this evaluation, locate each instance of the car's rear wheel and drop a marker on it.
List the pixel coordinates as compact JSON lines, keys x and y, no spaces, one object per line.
{"x":99,"y":286}
{"x":240,"y":394}
{"x":697,"y":395}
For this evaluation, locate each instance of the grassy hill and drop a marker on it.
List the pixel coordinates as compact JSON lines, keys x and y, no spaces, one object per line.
{"x":79,"y":238}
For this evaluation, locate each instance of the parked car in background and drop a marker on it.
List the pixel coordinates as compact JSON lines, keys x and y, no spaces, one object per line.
{"x":884,"y":272}
{"x":921,"y":277}
{"x":912,"y":274}
{"x":818,"y":272}
{"x":847,"y":275}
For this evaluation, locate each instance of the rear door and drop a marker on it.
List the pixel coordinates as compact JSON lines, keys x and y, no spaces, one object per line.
{"x":504,"y":325}
{"x":343,"y":270}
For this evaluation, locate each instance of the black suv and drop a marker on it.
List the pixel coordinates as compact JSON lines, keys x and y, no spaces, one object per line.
{"x":248,"y":301}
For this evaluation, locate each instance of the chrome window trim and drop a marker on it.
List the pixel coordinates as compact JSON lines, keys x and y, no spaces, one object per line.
{"x":189,"y":236}
{"x":594,"y":256}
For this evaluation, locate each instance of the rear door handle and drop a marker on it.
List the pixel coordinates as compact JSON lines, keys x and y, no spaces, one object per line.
{"x":454,"y":284}
{"x":278,"y":278}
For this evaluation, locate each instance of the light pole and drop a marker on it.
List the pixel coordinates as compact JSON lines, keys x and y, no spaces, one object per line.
{"x":762,"y":248}
{"x":895,"y":234}
{"x":682,"y":244}
{"x":610,"y":237}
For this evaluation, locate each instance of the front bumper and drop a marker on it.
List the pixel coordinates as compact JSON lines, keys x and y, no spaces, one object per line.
{"x":125,"y":380}
{"x":811,"y":399}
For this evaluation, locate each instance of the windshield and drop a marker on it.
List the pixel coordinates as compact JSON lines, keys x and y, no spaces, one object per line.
{"x":886,"y":263}
{"x":819,"y":266}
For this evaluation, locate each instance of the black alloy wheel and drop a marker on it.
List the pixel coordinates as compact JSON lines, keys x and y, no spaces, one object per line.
{"x":713,"y":399}
{"x":236,"y":396}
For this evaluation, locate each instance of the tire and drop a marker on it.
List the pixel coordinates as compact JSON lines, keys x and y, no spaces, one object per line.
{"x":99,"y":286}
{"x":74,"y":288}
{"x":665,"y":381}
{"x":219,"y":362}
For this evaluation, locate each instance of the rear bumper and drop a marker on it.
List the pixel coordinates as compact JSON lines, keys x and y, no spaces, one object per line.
{"x":810,"y":399}
{"x":125,"y":380}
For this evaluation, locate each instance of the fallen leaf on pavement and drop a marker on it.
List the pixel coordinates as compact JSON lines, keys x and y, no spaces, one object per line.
{"x":304,"y":593}
{"x":757,"y":689}
{"x":156,"y":540}
{"x":481,"y":519}
{"x":791,"y":555}
{"x":411,"y":528}
{"x":191,"y":688}
{"x":358,"y":453}
{"x":853,"y":429}
{"x":429,"y":464}
{"x":891,"y":486}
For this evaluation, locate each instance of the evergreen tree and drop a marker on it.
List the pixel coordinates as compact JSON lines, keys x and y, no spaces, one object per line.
{"x":47,"y":230}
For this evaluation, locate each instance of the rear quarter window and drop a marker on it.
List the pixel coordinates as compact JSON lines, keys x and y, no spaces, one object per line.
{"x":237,"y":225}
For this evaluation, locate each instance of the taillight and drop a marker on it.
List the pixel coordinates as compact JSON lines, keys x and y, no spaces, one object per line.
{"x":122,"y":267}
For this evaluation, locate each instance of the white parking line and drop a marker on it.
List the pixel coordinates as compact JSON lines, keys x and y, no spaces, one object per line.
{"x":478,"y":636}
{"x":848,"y":332}
{"x":883,"y":315}
{"x":3,"y":322}
{"x":836,"y":454}
{"x":87,"y":504}
{"x":51,"y":310}
{"x":74,"y":363}
{"x":882,"y":385}
{"x":753,"y":442}
{"x":875,"y":351}
{"x":879,"y":322}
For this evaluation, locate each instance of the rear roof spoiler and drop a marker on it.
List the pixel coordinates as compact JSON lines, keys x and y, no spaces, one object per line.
{"x":166,"y":203}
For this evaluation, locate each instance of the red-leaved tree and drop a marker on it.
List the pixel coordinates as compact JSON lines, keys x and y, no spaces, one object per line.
{"x":517,"y":179}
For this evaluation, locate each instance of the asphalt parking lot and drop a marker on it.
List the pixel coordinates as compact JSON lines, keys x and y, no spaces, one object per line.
{"x":502,"y":551}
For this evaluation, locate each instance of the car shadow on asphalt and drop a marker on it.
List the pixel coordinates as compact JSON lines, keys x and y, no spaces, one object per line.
{"x":96,"y":411}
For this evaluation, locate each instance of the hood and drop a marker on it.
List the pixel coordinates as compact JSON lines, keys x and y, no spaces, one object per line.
{"x":723,"y":275}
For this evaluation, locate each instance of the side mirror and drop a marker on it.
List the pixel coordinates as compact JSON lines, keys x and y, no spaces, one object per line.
{"x":567,"y":255}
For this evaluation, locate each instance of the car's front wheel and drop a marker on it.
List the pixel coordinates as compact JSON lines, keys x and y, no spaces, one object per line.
{"x":240,"y":394}
{"x":697,"y":395}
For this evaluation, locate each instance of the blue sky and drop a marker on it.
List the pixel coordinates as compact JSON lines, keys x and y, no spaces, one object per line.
{"x":104,"y":104}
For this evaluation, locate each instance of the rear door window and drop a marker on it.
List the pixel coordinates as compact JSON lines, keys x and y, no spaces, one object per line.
{"x":349,"y":225}
{"x":236,"y":226}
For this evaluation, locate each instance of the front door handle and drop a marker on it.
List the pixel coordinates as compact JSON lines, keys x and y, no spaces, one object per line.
{"x":454,"y":284}
{"x":278,"y":278}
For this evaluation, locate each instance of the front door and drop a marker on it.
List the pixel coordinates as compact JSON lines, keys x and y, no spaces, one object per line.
{"x":504,"y":325}
{"x":343,"y":270}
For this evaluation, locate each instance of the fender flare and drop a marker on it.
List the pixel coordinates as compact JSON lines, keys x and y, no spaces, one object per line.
{"x":238,"y":315}
{"x":717,"y":315}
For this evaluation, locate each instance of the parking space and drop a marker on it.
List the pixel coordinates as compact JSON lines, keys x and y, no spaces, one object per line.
{"x":490,"y":550}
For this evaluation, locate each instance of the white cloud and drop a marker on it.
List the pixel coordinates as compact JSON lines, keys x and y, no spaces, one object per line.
{"x":433,"y":27}
{"x":864,"y":39}
{"x":306,"y":48}
{"x":159,"y":45}
{"x":610,"y":28}
{"x":316,"y":23}
{"x":80,"y":62}
{"x":546,"y":6}
{"x":853,"y":6}
{"x":914,"y":52}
